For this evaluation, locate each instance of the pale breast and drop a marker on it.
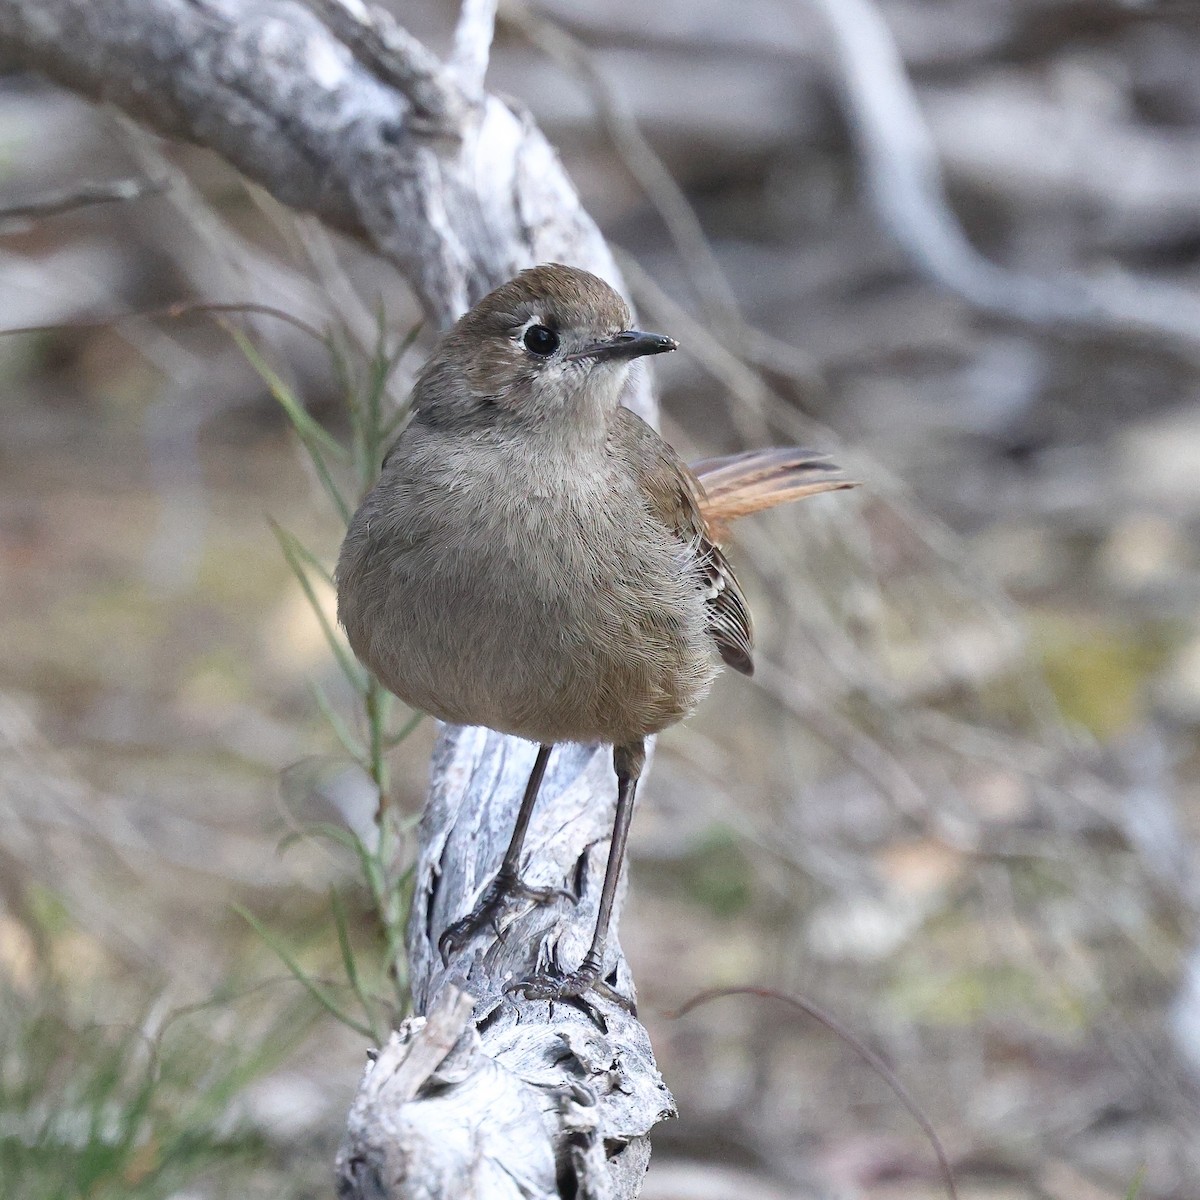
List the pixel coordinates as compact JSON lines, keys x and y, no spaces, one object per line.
{"x":561,"y":612}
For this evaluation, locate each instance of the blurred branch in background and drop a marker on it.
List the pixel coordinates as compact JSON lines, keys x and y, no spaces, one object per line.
{"x":899,"y":158}
{"x":83,"y":195}
{"x":356,"y":159}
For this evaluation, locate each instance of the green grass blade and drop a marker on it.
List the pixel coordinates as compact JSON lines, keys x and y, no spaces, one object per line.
{"x":327,"y":1002}
{"x":295,"y":554}
{"x":368,"y":862}
{"x":348,"y":389}
{"x":316,"y":441}
{"x":305,"y":426}
{"x":349,"y":965}
{"x":389,"y":429}
{"x":405,"y":346}
{"x":1135,"y":1184}
{"x":331,"y":489}
{"x":307,"y":556}
{"x":392,"y":740}
{"x":352,"y":745}
{"x":346,"y":838}
{"x":395,"y":426}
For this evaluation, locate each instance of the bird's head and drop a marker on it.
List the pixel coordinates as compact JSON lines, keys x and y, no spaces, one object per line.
{"x":552,"y":345}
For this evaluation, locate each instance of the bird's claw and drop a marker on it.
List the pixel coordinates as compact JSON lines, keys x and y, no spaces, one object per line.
{"x":546,"y":985}
{"x":551,"y":985}
{"x":487,"y":913}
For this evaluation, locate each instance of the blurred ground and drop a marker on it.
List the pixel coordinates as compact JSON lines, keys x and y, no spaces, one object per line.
{"x":959,"y":806}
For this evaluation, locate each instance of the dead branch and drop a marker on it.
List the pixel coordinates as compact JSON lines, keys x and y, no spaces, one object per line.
{"x":334,"y":109}
{"x":315,"y":103}
{"x":900,"y":161}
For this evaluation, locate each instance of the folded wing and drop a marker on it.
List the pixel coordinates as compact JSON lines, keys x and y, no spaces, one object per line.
{"x":700,"y":501}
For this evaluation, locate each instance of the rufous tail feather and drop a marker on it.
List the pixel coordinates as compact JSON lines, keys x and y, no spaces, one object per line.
{"x":740,"y":484}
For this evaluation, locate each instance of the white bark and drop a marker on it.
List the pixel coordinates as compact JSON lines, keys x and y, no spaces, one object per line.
{"x":337,"y":111}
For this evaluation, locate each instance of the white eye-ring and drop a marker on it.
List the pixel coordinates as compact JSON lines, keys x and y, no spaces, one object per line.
{"x":540,"y":340}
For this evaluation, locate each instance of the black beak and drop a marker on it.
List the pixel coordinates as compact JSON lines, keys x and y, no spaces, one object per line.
{"x":629,"y":343}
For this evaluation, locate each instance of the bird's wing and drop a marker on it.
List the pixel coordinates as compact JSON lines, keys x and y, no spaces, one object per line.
{"x":676,"y":497}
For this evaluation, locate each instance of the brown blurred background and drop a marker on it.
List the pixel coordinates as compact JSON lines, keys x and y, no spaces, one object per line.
{"x":958,"y":808}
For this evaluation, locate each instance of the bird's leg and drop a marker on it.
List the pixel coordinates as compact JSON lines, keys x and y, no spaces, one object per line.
{"x":628,"y":761}
{"x":507,"y":884}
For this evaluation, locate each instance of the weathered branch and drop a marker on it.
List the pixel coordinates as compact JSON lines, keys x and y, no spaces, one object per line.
{"x":322,"y":115}
{"x":336,"y":110}
{"x":395,"y":57}
{"x":900,"y":162}
{"x":473,"y":45}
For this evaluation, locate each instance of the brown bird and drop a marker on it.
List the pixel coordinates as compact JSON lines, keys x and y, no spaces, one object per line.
{"x":536,"y":559}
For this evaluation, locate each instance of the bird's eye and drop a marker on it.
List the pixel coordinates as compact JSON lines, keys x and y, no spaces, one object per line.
{"x":540,"y":341}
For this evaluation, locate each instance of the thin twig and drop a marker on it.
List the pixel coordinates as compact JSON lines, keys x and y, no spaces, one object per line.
{"x":231,"y":262}
{"x":869,"y":1056}
{"x":757,"y":403}
{"x":873,"y":760}
{"x":174,"y":311}
{"x":309,"y":244}
{"x":755,"y":398}
{"x":716,"y":297}
{"x":83,"y":195}
{"x":648,"y":170}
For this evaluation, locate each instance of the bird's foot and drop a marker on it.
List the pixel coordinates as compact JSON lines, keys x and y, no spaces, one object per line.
{"x":549,"y":985}
{"x":552,"y":985}
{"x":490,"y":908}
